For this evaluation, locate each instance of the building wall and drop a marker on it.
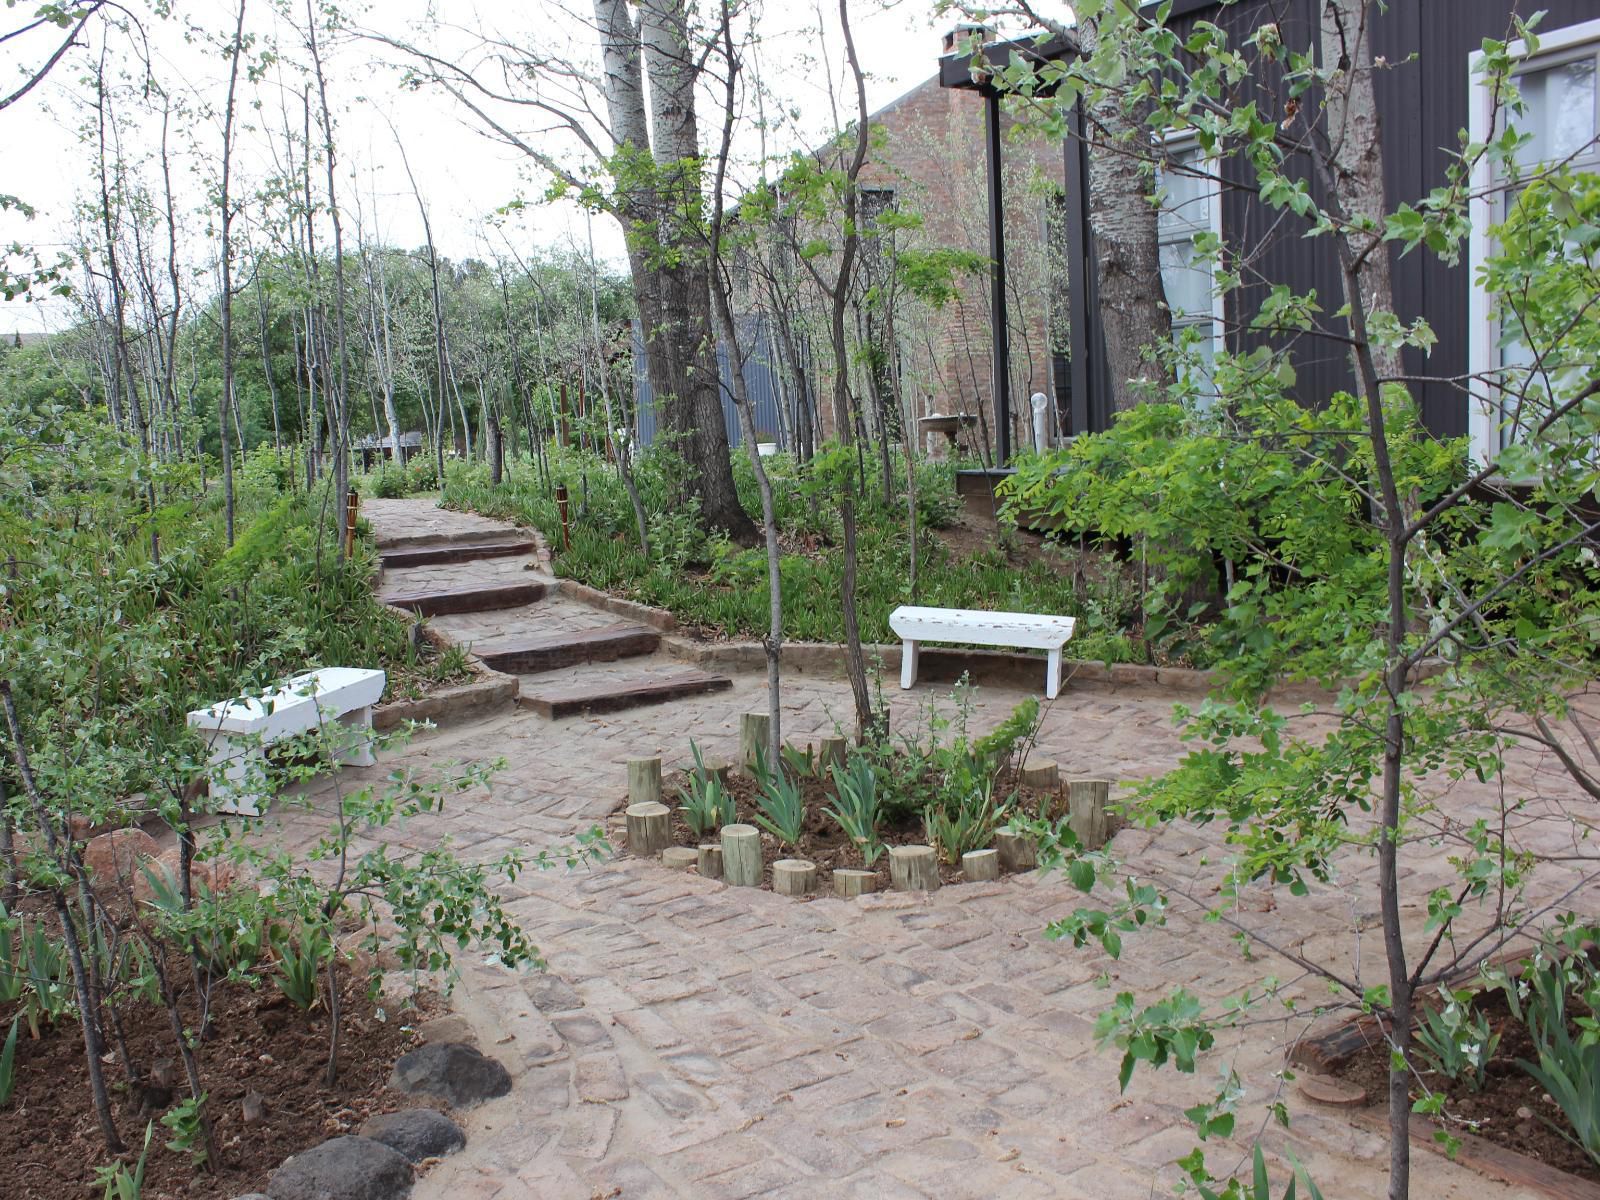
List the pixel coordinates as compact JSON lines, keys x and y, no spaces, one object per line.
{"x":1423,"y":103}
{"x":933,"y":156}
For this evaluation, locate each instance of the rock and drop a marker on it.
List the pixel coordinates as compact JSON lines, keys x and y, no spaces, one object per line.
{"x":343,"y":1168}
{"x":253,"y":1196}
{"x":1325,"y":1089}
{"x":114,"y":859}
{"x":213,"y":875}
{"x":456,"y":1073}
{"x":417,"y":1133}
{"x":449,"y":1028}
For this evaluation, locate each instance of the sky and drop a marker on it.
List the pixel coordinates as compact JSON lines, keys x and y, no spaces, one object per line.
{"x":463,"y":175}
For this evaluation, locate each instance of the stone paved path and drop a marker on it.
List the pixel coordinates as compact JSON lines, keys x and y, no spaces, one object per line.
{"x":691,"y":1040}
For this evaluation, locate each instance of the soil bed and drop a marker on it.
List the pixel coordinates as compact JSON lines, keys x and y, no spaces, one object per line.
{"x":50,"y":1142}
{"x":822,"y":841}
{"x":1511,"y":1111}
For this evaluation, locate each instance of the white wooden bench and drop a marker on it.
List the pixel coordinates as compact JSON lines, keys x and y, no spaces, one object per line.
{"x":1030,"y":631}
{"x":238,"y":730}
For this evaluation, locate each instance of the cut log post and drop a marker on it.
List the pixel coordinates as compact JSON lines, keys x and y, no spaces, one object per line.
{"x":680,"y":858}
{"x":834,"y":750}
{"x":754,"y":729}
{"x":649,"y":829}
{"x":980,"y":864}
{"x":913,"y":869}
{"x":848,"y":883}
{"x":1015,"y":851}
{"x":741,"y":855}
{"x":644,"y":781}
{"x":710,"y":861}
{"x":794,"y":877}
{"x":1086,"y":810}
{"x":1043,"y":776}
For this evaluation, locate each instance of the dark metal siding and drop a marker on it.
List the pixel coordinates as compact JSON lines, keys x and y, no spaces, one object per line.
{"x":1423,"y":101}
{"x":761,"y":369}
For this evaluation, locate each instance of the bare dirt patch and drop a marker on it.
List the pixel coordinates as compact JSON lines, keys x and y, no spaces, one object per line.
{"x":50,"y":1142}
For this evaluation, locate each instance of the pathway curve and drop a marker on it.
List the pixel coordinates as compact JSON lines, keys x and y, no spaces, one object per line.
{"x":695,"y":1040}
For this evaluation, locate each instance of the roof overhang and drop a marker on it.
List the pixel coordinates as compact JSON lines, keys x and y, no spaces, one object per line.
{"x":962,"y":72}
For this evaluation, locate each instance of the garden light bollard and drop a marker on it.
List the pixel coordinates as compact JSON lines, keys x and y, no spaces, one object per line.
{"x":561,"y":504}
{"x":352,"y":503}
{"x":1041,"y":421}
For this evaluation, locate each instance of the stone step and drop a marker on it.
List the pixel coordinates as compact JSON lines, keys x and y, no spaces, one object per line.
{"x":528,"y":656}
{"x":454,"y":552}
{"x":613,"y":695}
{"x":466,"y":598}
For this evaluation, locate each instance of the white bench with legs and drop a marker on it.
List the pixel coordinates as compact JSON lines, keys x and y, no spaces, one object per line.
{"x":239,"y":730}
{"x":1029,"y":631}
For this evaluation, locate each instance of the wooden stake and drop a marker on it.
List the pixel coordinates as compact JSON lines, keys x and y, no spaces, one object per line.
{"x":1041,"y":776}
{"x":710,"y":861}
{"x":913,"y":869}
{"x":980,"y":864}
{"x":741,"y":855}
{"x":849,"y":883}
{"x":649,"y":829}
{"x":754,"y":729}
{"x":1086,"y":810}
{"x":794,"y":877}
{"x":1016,"y":852}
{"x":680,"y":858}
{"x":833,"y":753}
{"x":644,"y":781}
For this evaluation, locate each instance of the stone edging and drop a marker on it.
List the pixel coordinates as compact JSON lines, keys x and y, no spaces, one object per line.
{"x":939,"y":664}
{"x":657,"y":618}
{"x":489,"y":689}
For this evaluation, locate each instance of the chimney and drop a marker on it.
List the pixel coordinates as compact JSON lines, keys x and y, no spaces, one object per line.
{"x":959,"y":39}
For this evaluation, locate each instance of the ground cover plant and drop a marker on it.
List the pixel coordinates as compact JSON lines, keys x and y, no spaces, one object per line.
{"x":720,"y":588}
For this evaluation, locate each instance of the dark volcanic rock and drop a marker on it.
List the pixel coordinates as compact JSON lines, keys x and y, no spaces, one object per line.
{"x":454,"y":1072}
{"x":344,"y":1168}
{"x":417,"y":1133}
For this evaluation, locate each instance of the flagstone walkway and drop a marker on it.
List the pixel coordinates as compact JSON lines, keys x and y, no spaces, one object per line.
{"x":692,"y":1040}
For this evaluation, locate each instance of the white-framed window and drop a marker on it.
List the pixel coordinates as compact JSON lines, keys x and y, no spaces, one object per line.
{"x":1191,"y":203}
{"x":1560,"y":90}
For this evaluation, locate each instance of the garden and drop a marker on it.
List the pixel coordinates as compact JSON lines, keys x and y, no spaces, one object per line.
{"x":1373,"y":535}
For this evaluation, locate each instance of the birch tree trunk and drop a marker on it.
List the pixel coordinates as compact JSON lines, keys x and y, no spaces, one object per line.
{"x":1355,"y":155}
{"x":1133,"y":309}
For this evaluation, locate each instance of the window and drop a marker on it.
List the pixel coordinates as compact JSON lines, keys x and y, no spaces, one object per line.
{"x":1191,"y":204}
{"x":1560,"y":89}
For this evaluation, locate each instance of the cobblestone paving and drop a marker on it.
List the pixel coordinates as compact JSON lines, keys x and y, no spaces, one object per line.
{"x":695,"y":1040}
